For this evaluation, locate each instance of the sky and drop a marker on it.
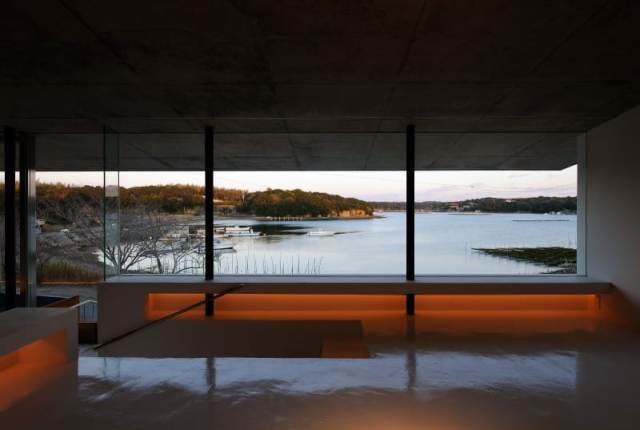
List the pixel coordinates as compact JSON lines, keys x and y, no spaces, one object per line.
{"x":371,"y":186}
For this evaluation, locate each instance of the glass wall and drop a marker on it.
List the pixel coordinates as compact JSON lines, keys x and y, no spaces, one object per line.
{"x":496,"y":204}
{"x":493,"y":204}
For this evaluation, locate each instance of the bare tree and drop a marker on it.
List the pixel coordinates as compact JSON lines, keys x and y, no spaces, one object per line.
{"x":185,"y":256}
{"x":167,"y":242}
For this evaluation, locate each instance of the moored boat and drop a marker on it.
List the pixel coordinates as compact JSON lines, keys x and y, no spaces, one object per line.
{"x":321,"y":233}
{"x":237,"y":231}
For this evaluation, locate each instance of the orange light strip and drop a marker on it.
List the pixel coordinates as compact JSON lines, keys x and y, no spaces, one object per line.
{"x":507,"y":302}
{"x":157,"y":302}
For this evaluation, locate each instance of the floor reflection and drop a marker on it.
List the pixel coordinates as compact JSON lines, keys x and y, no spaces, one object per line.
{"x":419,"y":371}
{"x":419,"y":380}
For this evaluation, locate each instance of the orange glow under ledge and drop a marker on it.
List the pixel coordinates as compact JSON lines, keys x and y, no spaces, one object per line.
{"x":160,"y":303}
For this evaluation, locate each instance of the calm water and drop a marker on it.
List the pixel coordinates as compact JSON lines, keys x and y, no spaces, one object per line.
{"x":444,"y":244}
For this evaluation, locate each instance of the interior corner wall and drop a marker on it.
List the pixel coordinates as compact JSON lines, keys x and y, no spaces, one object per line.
{"x":613,"y":213}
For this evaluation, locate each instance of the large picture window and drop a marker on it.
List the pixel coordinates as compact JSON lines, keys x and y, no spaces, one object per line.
{"x":135,"y":205}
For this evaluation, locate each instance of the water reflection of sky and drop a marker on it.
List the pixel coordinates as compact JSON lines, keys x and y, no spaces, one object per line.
{"x":539,"y":372}
{"x":427,"y":373}
{"x":444,"y":245}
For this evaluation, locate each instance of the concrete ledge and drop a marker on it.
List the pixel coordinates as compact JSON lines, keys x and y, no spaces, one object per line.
{"x":443,"y":285}
{"x":23,"y":326}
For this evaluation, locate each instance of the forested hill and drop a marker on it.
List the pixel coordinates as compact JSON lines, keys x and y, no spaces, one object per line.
{"x":491,"y":204}
{"x":161,"y":198}
{"x":278,"y":203}
{"x":56,"y":202}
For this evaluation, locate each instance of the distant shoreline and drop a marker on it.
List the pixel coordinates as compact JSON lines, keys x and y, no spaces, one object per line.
{"x":295,"y":218}
{"x":380,"y":215}
{"x":422,"y":211}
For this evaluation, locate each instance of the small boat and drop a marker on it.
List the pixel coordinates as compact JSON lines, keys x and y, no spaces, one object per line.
{"x":219,"y":245}
{"x":321,"y":233}
{"x":240,"y":232}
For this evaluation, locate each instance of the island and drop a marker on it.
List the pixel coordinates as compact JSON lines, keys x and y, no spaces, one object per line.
{"x":304,"y":204}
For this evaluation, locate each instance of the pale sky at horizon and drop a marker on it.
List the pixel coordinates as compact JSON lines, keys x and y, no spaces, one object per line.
{"x":365,"y":185}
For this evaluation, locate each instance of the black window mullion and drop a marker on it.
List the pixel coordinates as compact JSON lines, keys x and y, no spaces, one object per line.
{"x":208,"y":213}
{"x":410,"y":206}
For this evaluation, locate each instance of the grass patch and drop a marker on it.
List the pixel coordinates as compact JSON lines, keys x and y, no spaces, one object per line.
{"x":546,"y":256}
{"x":63,"y":271}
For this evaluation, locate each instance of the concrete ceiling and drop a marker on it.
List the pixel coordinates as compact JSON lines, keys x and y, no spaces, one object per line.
{"x":317,"y":80}
{"x":309,"y":152}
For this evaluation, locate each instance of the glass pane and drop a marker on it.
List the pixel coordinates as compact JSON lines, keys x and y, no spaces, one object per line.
{"x":69,"y":217}
{"x":309,"y":223}
{"x":161,"y":204}
{"x":496,"y":204}
{"x":309,"y":204}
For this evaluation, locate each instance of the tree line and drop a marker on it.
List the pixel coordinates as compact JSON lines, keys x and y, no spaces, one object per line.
{"x":537,"y":205}
{"x":189,"y":199}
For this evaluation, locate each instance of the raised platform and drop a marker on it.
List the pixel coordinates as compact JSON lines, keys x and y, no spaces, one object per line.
{"x":126,"y":303}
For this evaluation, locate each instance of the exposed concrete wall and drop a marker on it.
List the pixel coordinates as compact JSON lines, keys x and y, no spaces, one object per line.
{"x":613,"y":212}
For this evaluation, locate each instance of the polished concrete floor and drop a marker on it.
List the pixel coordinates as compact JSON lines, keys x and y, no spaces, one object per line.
{"x":531,"y":371}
